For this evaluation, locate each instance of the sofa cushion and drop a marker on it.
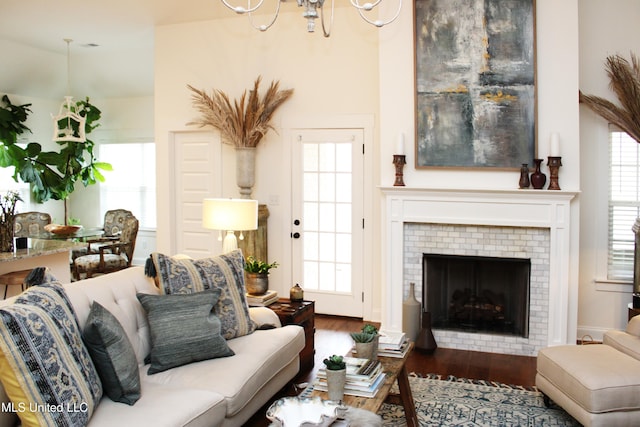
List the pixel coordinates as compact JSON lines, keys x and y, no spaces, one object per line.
{"x":117,"y":293}
{"x":633,"y":327}
{"x":163,"y":406}
{"x":224,"y":272}
{"x":44,"y":366}
{"x":597,"y":377}
{"x":623,"y":341}
{"x":183,"y":329}
{"x":260,"y":357}
{"x":112,"y":355}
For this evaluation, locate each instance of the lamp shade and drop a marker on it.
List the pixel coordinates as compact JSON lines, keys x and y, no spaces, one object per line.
{"x":230,"y":214}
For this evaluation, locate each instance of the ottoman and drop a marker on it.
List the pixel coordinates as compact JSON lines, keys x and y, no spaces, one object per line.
{"x":597,"y":384}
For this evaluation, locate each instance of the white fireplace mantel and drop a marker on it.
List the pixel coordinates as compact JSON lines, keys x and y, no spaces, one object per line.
{"x":513,"y":208}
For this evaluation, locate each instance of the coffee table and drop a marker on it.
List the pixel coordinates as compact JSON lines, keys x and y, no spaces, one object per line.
{"x":395,"y":369}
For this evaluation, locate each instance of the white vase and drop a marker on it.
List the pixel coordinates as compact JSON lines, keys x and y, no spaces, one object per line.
{"x":335,"y":384}
{"x":411,"y":309}
{"x":245,"y":170}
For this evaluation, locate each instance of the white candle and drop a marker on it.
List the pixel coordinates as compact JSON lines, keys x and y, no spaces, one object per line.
{"x":554,"y":145}
{"x":400,"y":144}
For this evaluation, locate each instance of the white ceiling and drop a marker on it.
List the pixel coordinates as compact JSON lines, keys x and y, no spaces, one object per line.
{"x":120,"y":66}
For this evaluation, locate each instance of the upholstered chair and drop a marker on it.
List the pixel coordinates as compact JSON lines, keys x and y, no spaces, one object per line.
{"x":29,"y":224}
{"x":110,"y":257}
{"x":26,"y":224}
{"x":114,"y":221}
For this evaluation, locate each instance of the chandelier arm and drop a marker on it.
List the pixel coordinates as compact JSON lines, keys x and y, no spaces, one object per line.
{"x":366,"y":6}
{"x":241,"y":10}
{"x":379,"y":23}
{"x":324,"y":31}
{"x":266,"y":27}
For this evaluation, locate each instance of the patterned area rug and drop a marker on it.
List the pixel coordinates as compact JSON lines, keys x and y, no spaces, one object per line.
{"x":461,"y":402}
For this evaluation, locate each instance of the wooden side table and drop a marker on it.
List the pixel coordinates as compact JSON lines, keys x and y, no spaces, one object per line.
{"x":299,"y":313}
{"x":632,"y":311}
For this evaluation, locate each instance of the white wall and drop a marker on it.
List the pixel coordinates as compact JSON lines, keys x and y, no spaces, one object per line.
{"x":557,"y":87}
{"x":606,"y":28}
{"x":357,"y":70}
{"x":331,"y":77}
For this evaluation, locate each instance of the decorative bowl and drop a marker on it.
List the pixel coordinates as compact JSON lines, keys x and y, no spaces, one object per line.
{"x":304,"y":412}
{"x":62,"y":229}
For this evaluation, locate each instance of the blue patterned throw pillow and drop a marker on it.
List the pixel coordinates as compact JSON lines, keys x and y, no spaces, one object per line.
{"x":224,"y":272}
{"x":44,"y":366}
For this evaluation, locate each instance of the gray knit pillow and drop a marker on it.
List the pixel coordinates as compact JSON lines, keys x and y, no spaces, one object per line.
{"x":113,"y":355}
{"x":183,"y":329}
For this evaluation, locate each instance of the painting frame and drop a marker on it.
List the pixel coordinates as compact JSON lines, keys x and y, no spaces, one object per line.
{"x":475,"y":84}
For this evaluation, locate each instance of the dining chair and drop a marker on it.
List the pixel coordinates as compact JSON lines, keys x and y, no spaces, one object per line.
{"x":29,"y":224}
{"x":111,"y":257}
{"x":26,"y":224}
{"x":114,"y":221}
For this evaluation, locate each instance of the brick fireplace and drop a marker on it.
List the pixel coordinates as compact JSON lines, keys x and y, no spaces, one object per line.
{"x":527,"y":224}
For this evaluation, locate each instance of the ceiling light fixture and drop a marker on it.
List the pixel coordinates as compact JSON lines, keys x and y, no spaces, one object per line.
{"x":311,"y":8}
{"x":68,"y":125}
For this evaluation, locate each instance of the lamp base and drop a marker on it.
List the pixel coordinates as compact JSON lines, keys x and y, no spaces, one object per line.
{"x":230,"y":242}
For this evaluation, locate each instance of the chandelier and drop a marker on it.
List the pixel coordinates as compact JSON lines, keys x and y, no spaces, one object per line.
{"x":68,"y":125}
{"x":314,"y":9}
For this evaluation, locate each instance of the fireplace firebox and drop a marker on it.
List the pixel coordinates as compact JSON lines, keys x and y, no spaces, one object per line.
{"x":476,"y":293}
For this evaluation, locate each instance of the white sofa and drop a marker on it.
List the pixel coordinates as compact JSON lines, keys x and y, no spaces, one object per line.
{"x":599,"y":384}
{"x":218,"y":392}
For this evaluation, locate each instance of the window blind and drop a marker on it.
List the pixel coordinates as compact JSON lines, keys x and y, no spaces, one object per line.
{"x":624,"y":203}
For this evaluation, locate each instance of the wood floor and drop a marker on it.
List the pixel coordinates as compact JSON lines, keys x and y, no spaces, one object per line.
{"x":332,"y":337}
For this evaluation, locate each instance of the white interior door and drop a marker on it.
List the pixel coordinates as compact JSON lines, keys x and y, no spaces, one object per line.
{"x":196,"y":157}
{"x":327,"y":212}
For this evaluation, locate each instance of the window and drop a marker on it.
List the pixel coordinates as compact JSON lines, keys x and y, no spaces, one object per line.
{"x":132,"y":184}
{"x":7,"y":183}
{"x":624,"y":203}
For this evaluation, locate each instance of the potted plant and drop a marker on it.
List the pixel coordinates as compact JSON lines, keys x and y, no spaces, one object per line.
{"x":257,"y":275}
{"x":7,"y":215}
{"x":336,"y":369}
{"x":366,"y":341}
{"x":242,"y":123}
{"x":52,"y":174}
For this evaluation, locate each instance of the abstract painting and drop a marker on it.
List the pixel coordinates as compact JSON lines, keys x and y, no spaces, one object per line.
{"x":475,"y":83}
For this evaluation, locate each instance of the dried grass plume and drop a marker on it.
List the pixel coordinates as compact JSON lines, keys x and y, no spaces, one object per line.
{"x":243,"y":122}
{"x":624,"y":79}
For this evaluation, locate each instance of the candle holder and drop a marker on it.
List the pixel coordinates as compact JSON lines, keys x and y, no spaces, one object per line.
{"x":399,"y":160}
{"x":554,"y":164}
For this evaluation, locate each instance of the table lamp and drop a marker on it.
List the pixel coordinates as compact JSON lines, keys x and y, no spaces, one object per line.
{"x":230,"y":215}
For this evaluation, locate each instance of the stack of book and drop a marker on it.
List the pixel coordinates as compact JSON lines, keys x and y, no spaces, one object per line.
{"x":263,"y":300}
{"x":364,"y":377}
{"x":392,"y":344}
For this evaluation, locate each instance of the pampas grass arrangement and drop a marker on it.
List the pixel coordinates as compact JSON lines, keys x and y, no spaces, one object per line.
{"x":243,"y":122}
{"x":625,"y":82}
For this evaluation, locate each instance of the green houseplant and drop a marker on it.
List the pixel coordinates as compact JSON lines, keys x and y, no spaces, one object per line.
{"x":336,"y":370}
{"x":257,"y":275}
{"x":51,"y":174}
{"x":335,"y":363}
{"x":366,"y":341}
